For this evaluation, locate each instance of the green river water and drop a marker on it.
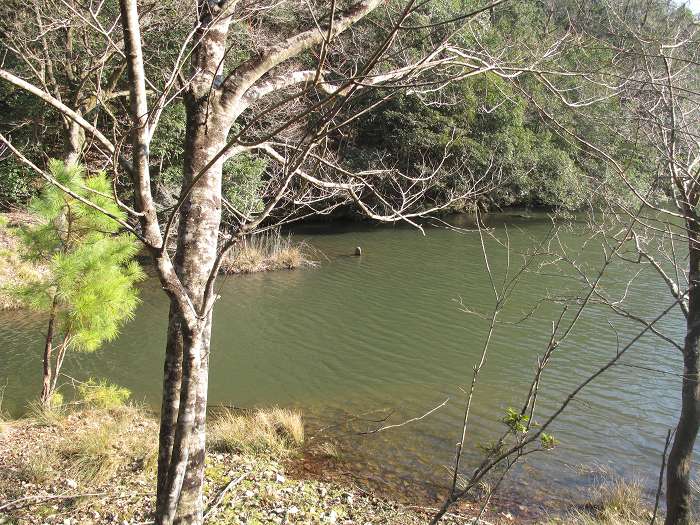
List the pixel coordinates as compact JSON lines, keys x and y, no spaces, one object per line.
{"x":384,"y":332}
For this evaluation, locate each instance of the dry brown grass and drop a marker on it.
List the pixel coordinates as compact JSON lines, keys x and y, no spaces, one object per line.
{"x":39,"y":467}
{"x":109,"y":441}
{"x":267,"y":252}
{"x":277,"y":432}
{"x":13,"y":269}
{"x":616,"y":502}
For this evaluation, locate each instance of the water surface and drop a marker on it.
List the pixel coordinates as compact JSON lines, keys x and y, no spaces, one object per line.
{"x":384,"y":332}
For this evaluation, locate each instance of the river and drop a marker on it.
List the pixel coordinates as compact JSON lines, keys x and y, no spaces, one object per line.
{"x":383,"y":334}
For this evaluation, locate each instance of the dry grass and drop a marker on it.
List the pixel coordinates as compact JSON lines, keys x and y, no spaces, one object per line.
{"x":40,"y":466}
{"x":13,"y":269}
{"x":90,"y":456}
{"x":266,"y":252}
{"x":51,"y":415}
{"x":111,"y":440}
{"x":618,"y":502}
{"x":276,"y":432}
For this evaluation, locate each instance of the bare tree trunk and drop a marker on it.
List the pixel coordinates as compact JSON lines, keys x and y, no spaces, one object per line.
{"x":172,"y":378}
{"x":678,"y":491}
{"x":191,"y":504}
{"x":46,"y":390}
{"x":59,"y":362}
{"x":173,"y":509}
{"x":183,"y":417}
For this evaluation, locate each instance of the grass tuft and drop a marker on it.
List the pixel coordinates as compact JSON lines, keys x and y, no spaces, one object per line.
{"x":109,"y":443}
{"x":39,"y":467}
{"x":51,"y":415}
{"x":265,"y":252}
{"x":90,"y":455}
{"x":276,"y":432}
{"x":618,"y":502}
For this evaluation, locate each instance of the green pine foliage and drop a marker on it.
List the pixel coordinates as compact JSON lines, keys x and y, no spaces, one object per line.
{"x":103,"y":394}
{"x":92,"y":272}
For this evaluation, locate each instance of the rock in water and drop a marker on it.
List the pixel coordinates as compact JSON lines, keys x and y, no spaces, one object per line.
{"x":358,"y":251}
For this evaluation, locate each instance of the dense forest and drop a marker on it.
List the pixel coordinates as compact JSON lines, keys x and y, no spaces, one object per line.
{"x":182,"y":132}
{"x":491,"y":125}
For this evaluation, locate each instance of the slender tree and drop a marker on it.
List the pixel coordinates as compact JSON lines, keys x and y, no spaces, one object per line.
{"x":648,"y":63}
{"x":88,"y":290}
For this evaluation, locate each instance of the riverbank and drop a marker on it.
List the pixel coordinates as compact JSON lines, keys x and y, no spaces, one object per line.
{"x":94,"y":462}
{"x":97,"y":465}
{"x":380,"y":332}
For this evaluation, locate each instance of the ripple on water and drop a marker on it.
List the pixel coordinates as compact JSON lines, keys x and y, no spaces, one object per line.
{"x":384,"y":331}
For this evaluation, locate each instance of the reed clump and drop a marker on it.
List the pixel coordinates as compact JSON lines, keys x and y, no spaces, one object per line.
{"x":267,"y":251}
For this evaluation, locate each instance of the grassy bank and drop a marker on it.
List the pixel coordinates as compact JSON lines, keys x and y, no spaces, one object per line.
{"x":94,"y":461}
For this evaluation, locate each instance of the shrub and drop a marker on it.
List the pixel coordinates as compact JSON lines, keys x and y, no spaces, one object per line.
{"x":16,"y":183}
{"x":56,"y":400}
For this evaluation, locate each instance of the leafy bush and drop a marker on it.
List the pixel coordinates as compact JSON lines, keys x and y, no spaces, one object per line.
{"x":243,"y":182}
{"x":17,"y":184}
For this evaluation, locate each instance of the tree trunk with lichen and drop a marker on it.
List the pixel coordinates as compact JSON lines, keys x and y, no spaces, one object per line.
{"x":183,"y":416}
{"x":679,"y":497}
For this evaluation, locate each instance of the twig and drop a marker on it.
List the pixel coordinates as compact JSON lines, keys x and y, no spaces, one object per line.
{"x":221,"y":495}
{"x":32,"y":500}
{"x":661,"y":476}
{"x":380,"y":429}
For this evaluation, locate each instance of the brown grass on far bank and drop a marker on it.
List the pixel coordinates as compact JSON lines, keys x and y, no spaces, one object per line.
{"x":14,"y":270}
{"x":267,"y":251}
